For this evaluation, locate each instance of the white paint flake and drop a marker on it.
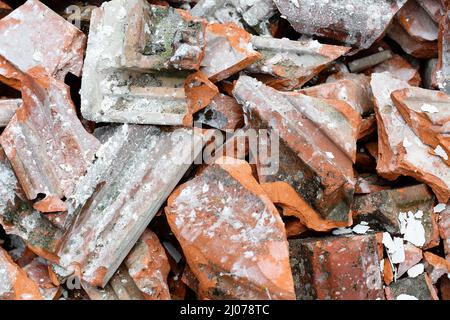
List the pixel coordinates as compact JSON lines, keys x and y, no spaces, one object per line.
{"x":416,"y":270}
{"x":404,"y":296}
{"x":439,"y":208}
{"x":429,"y":108}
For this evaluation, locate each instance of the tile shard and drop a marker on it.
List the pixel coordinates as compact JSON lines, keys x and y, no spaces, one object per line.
{"x":416,"y":21}
{"x":148,"y":266}
{"x":413,"y":255}
{"x":136,"y":169}
{"x":136,"y":77}
{"x":15,"y":284}
{"x":337,"y":268}
{"x":427,"y":113}
{"x":436,"y":266}
{"x":32,"y":33}
{"x":37,"y":271}
{"x":248,"y":258}
{"x":352,"y":22}
{"x":8,"y":108}
{"x":401,"y":152}
{"x":434,"y":8}
{"x":228,"y":50}
{"x":317,"y":145}
{"x":18,"y":217}
{"x":287,"y":64}
{"x":46,"y":143}
{"x":419,"y":287}
{"x":384,"y":208}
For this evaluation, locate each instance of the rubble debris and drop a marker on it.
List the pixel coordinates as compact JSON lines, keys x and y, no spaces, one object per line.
{"x":427,"y":113}
{"x":228,"y":50}
{"x":249,"y":234}
{"x":8,"y":108}
{"x":399,"y":68}
{"x":353,"y":22}
{"x":315,"y":166}
{"x":435,"y":266}
{"x":419,"y":287}
{"x":369,"y":61}
{"x":443,"y":63}
{"x":135,"y":170}
{"x":434,"y":8}
{"x":356,"y":92}
{"x":337,"y":268}
{"x":18,"y":217}
{"x":37,"y":271}
{"x":417,"y":22}
{"x":46,"y":143}
{"x":251,"y":13}
{"x":444,"y":230}
{"x":148,"y":266}
{"x":386,"y":207}
{"x":413,"y":256}
{"x":15,"y":284}
{"x":223,"y":112}
{"x":418,"y":49}
{"x":287,"y":64}
{"x":401,"y":152}
{"x":33,"y":35}
{"x":125,"y":82}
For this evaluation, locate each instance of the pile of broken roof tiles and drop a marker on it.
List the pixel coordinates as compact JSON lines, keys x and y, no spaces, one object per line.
{"x":105,"y":107}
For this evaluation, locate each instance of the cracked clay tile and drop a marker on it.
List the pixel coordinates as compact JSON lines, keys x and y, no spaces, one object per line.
{"x":37,"y":270}
{"x":399,"y":68}
{"x":228,"y":50}
{"x":8,"y":108}
{"x":385,"y":207}
{"x":223,"y":113}
{"x":401,"y":152}
{"x":416,"y":21}
{"x":135,"y":170}
{"x":413,"y":255}
{"x":427,"y":113}
{"x":436,"y":266}
{"x":419,"y":287}
{"x":337,"y":268}
{"x":241,"y":252}
{"x":14,"y":282}
{"x":113,"y":92}
{"x":148,"y":266}
{"x":287,"y":64}
{"x":45,"y":141}
{"x":356,"y":93}
{"x":317,"y":145}
{"x":18,"y":217}
{"x":434,"y":8}
{"x":353,"y":22}
{"x":33,"y":35}
{"x":418,"y":49}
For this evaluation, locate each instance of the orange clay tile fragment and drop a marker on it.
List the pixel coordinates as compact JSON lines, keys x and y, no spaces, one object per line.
{"x":436,"y":266}
{"x":33,"y":35}
{"x":352,"y":22}
{"x":434,"y":8}
{"x":400,"y":151}
{"x":444,"y":229}
{"x":199,"y":93}
{"x":418,"y":288}
{"x":46,"y":143}
{"x":317,"y":143}
{"x":416,"y":21}
{"x":368,"y":126}
{"x":38,"y":271}
{"x":355,"y":91}
{"x":427,"y":113}
{"x":50,"y":204}
{"x":399,"y":68}
{"x":337,"y":268}
{"x":7,"y":109}
{"x":388,"y":273}
{"x":294,"y":227}
{"x":228,"y":51}
{"x":4,"y":9}
{"x":222,"y":113}
{"x":288,"y":64}
{"x":15,"y":284}
{"x":413,"y":255}
{"x":149,"y":267}
{"x":418,"y":49}
{"x":231,"y":234}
